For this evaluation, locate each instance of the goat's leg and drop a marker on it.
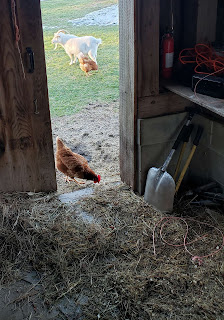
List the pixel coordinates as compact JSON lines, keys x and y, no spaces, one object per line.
{"x":92,"y":55}
{"x":71,"y":62}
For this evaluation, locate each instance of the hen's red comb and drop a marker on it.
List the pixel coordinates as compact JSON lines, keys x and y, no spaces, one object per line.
{"x":98,"y":179}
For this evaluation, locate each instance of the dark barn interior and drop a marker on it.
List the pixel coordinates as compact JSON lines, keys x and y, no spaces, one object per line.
{"x":151,"y":106}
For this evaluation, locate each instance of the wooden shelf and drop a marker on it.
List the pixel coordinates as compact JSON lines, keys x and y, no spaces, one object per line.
{"x":214,"y":105}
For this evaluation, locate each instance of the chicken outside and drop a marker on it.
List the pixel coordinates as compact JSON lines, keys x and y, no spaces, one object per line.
{"x":86,"y":64}
{"x":73,"y":164}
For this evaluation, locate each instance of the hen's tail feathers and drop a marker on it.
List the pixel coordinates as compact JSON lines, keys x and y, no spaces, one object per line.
{"x":59,"y":143}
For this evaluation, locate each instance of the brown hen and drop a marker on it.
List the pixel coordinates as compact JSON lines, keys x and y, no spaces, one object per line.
{"x":86,"y":64}
{"x":73,"y":164}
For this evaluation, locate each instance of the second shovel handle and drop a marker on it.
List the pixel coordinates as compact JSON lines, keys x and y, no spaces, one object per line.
{"x":181,"y":137}
{"x":195,"y":144}
{"x":198,"y":136}
{"x":185,"y":168}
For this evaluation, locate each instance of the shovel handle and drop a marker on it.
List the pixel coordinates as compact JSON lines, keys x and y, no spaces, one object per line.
{"x":186,"y":139}
{"x":185,"y":168}
{"x":198,"y":136}
{"x":179,"y":160}
{"x":189,"y":131}
{"x":195,"y":144}
{"x":189,"y":119}
{"x":181,"y":137}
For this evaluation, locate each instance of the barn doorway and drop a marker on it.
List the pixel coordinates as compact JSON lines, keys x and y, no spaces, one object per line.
{"x":102,"y":257}
{"x":84,"y":109}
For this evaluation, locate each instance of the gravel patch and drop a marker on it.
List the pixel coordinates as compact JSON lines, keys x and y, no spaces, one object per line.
{"x":103,"y":17}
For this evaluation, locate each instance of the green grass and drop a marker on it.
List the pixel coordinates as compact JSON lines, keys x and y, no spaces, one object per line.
{"x":69,"y":88}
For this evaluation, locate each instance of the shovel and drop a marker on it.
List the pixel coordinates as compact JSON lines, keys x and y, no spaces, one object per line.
{"x":160,"y":186}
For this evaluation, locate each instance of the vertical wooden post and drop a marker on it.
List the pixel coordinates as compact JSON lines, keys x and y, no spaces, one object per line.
{"x":139,"y":74}
{"x":127,"y":46}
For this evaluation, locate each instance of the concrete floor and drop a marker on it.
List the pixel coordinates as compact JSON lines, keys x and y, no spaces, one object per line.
{"x":21,"y":301}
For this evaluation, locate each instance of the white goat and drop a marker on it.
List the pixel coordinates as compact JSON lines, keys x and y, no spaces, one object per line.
{"x":65,"y":36}
{"x":74,"y":45}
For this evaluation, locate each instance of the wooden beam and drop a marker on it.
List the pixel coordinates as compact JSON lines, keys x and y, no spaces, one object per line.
{"x":26,"y":160}
{"x":128,"y":102}
{"x":148,"y":47}
{"x":163,"y":104}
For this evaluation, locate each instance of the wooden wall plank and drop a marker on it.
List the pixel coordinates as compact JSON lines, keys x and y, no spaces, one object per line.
{"x":190,"y":13}
{"x":220,"y":23}
{"x":27,"y":163}
{"x":163,"y":104}
{"x":206,"y":21}
{"x":128,"y":102}
{"x":148,"y":47}
{"x":199,"y":19}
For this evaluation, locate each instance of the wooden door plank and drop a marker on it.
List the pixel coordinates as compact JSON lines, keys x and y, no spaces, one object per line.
{"x":27,"y":163}
{"x":148,"y":47}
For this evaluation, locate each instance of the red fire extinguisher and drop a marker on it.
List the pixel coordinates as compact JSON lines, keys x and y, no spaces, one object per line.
{"x":167,"y":55}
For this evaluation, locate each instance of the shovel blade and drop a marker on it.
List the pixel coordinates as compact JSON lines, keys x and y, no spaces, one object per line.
{"x":160,"y":190}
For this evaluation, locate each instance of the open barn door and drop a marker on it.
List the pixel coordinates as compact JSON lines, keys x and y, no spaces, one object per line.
{"x":26,"y":150}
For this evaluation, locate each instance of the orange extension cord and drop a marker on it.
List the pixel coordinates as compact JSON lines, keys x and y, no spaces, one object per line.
{"x":204,"y":57}
{"x":165,"y":221}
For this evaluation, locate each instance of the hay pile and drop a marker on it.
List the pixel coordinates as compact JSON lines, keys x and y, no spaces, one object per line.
{"x":98,"y":252}
{"x":108,"y":259}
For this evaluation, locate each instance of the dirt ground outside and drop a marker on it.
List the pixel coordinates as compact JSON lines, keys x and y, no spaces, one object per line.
{"x":89,"y":255}
{"x":93,"y":133}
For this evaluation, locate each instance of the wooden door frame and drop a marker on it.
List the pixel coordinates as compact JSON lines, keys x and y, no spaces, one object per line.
{"x":139,"y":75}
{"x":128,"y":90}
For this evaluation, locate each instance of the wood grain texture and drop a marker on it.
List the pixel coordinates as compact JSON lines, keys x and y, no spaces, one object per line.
{"x":163,"y":104}
{"x":199,"y":19}
{"x":127,"y":90}
{"x":27,"y":163}
{"x":148,"y":47}
{"x":190,"y":14}
{"x":220,"y":22}
{"x":206,"y":21}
